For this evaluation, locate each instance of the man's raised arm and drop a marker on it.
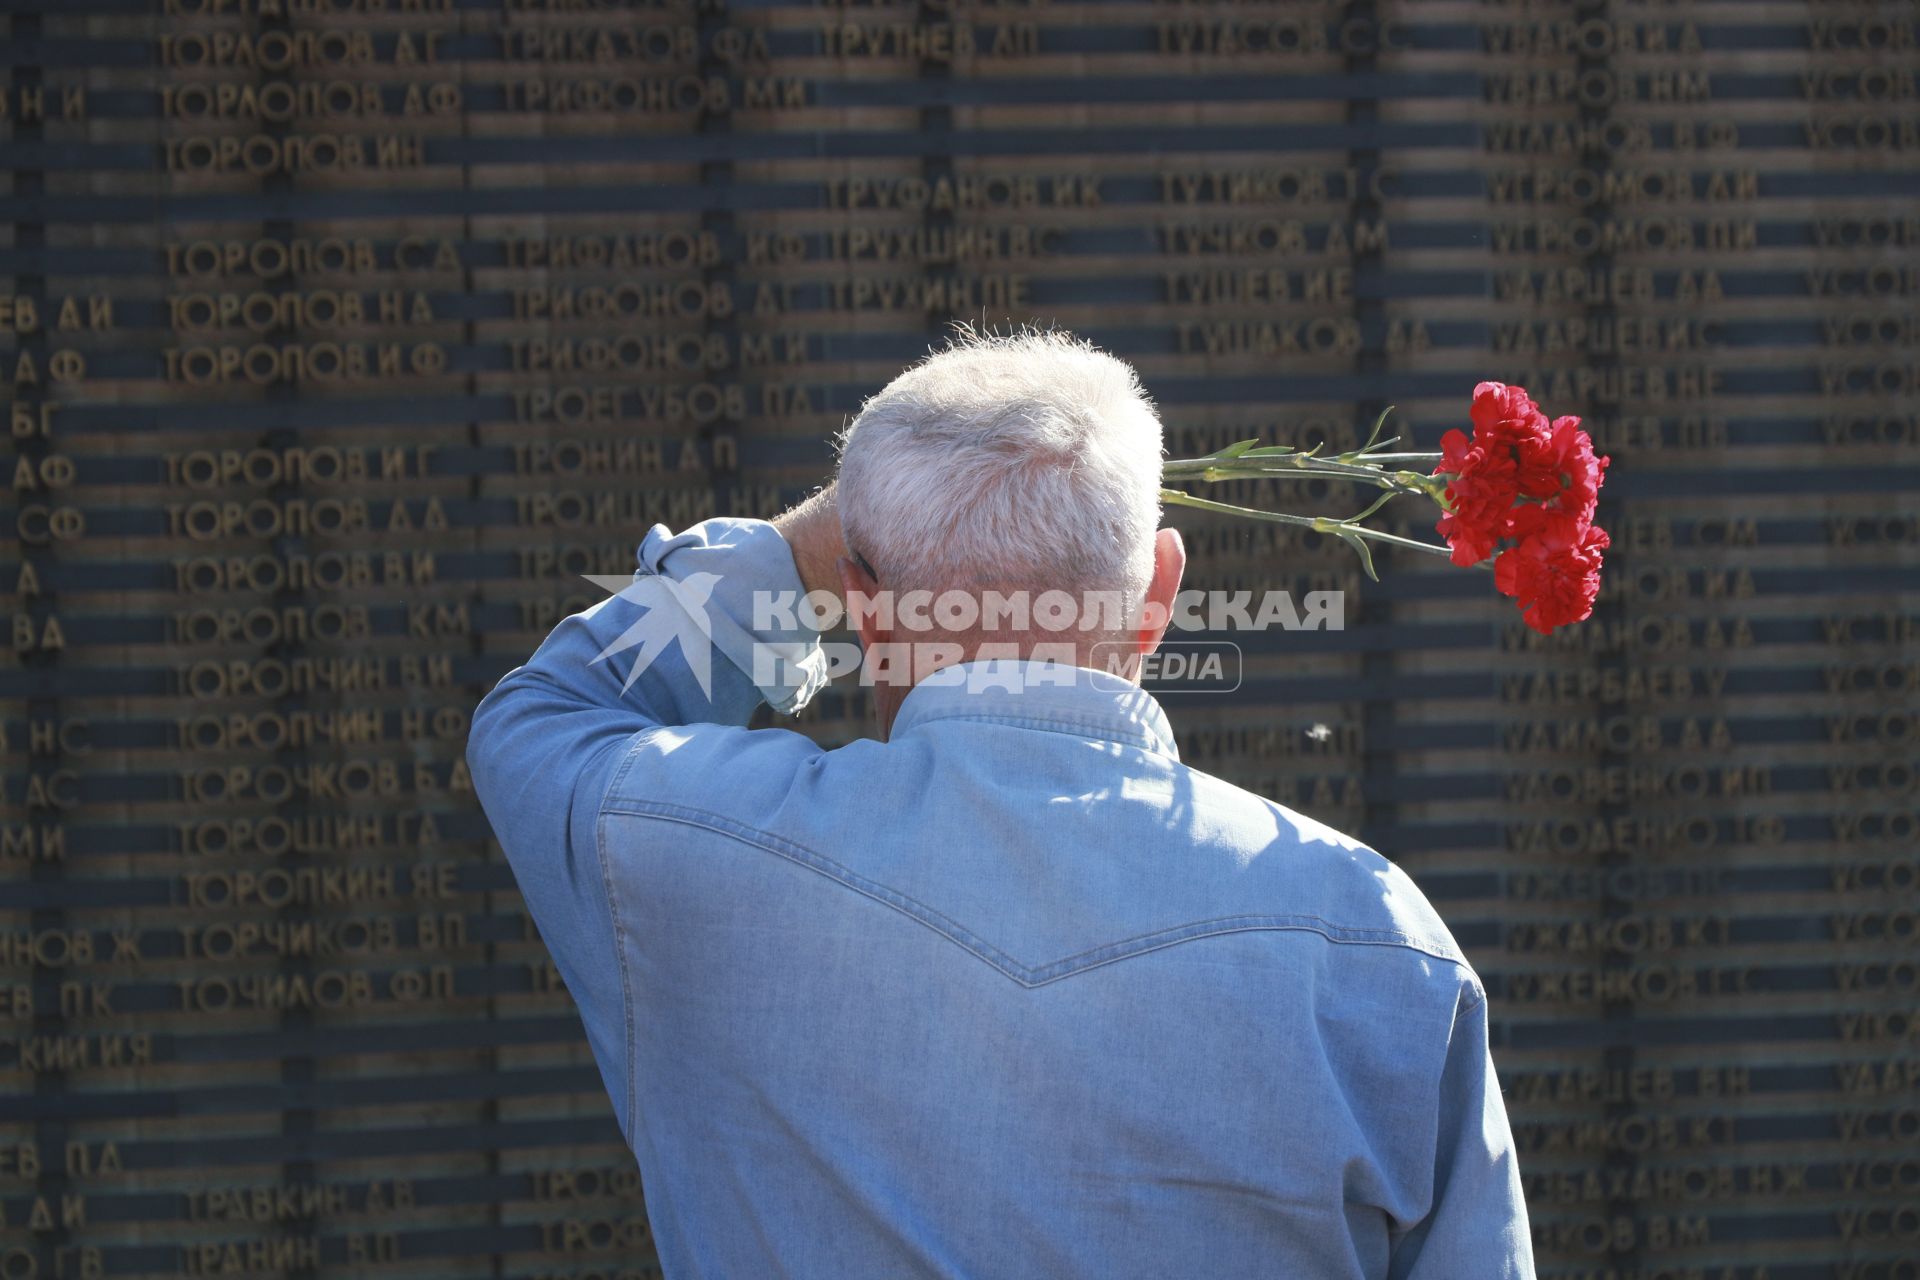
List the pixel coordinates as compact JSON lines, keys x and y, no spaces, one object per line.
{"x":674,"y":650}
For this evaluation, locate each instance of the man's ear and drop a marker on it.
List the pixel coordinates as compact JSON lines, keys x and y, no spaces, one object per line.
{"x":860,"y":589}
{"x":1169,"y":566}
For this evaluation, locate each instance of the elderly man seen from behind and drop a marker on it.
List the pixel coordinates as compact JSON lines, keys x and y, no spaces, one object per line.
{"x":1009,"y":991}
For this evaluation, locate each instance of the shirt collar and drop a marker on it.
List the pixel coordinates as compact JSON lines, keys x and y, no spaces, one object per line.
{"x":1041,"y":695}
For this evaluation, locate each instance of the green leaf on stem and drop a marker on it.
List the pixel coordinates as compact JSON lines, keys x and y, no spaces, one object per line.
{"x":1378,"y":503}
{"x":1378,"y":423}
{"x":1359,"y":546}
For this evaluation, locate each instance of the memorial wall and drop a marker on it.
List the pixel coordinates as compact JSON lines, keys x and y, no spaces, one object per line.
{"x":339,"y":338}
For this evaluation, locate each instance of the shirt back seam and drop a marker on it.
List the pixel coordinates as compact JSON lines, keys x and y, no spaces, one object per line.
{"x":1024,"y":974}
{"x":1094,"y":727}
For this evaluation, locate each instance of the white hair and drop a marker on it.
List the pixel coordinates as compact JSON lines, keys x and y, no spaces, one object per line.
{"x":1021,"y":461}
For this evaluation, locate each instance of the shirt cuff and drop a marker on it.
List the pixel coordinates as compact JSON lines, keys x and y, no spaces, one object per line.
{"x":754,"y":613}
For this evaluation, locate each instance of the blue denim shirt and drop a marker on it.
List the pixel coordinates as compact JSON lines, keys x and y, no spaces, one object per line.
{"x":1015,"y":993}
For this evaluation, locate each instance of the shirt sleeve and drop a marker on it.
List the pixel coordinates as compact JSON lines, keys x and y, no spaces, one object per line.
{"x":1478,"y":1224}
{"x":678,"y":644}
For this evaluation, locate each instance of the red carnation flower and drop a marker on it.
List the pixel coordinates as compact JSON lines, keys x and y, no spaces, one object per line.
{"x":1507,"y":458}
{"x":1506,"y":415}
{"x":1480,"y":496}
{"x":1573,"y":457}
{"x":1517,"y":495}
{"x":1518,"y":477}
{"x":1553,"y":576}
{"x":1569,"y":504}
{"x":1539,"y":463}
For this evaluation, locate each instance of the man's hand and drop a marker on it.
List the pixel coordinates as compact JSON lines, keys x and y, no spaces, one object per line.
{"x":812,"y":530}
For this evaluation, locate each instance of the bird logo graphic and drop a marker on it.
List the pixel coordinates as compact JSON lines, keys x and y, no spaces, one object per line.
{"x":675,"y":610}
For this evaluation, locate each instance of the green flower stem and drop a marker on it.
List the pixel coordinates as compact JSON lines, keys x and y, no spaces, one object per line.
{"x":1319,"y":524}
{"x":1215,"y":473}
{"x":1240,"y":469}
{"x":1215,"y":468}
{"x":1199,"y":470}
{"x":1248,"y":460}
{"x":1339,"y":463}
